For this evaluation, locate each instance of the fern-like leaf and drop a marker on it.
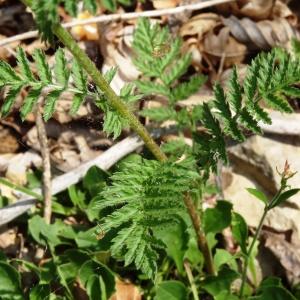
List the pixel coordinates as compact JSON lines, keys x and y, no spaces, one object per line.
{"x":217,"y":139}
{"x":159,"y":114}
{"x":46,"y":16}
{"x":278,"y":102}
{"x":149,"y":194}
{"x":113,"y":121}
{"x":230,"y":123}
{"x":248,"y":121}
{"x":55,"y":84}
{"x":8,"y":75}
{"x":63,"y":78}
{"x":235,"y":91}
{"x":177,"y":70}
{"x":270,"y":78}
{"x":159,"y":58}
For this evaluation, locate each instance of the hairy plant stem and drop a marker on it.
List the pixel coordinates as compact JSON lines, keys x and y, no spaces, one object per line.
{"x":201,"y":238}
{"x":246,"y":262}
{"x":115,"y":101}
{"x":65,"y":37}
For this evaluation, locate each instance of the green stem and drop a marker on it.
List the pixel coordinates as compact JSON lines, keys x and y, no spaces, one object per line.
{"x":201,"y":238}
{"x":65,"y":37}
{"x":246,"y":263}
{"x":21,"y":189}
{"x":191,"y":280}
{"x":115,"y":101}
{"x":267,"y":208}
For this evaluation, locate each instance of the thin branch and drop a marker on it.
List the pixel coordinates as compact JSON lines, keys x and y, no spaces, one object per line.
{"x":42,"y":135}
{"x":121,"y":17}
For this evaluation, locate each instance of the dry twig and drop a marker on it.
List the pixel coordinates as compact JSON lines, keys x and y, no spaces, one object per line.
{"x":120,"y":17}
{"x":42,"y":135}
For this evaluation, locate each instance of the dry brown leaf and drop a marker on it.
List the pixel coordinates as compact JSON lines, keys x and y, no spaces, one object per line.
{"x":199,"y":25}
{"x":8,"y":240}
{"x":4,"y":161}
{"x":126,"y":291}
{"x":191,"y":45}
{"x":223,"y":45}
{"x":257,"y":9}
{"x":65,"y":159}
{"x":8,"y":142}
{"x":73,"y":148}
{"x":263,"y":34}
{"x":281,"y":10}
{"x":115,"y":45}
{"x":85,"y":152}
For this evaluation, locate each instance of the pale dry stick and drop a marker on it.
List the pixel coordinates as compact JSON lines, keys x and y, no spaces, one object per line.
{"x":42,"y":135}
{"x":121,"y":17}
{"x":46,"y":187}
{"x":60,"y":183}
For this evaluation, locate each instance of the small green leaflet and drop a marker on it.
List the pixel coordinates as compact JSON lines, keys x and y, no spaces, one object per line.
{"x":259,"y":195}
